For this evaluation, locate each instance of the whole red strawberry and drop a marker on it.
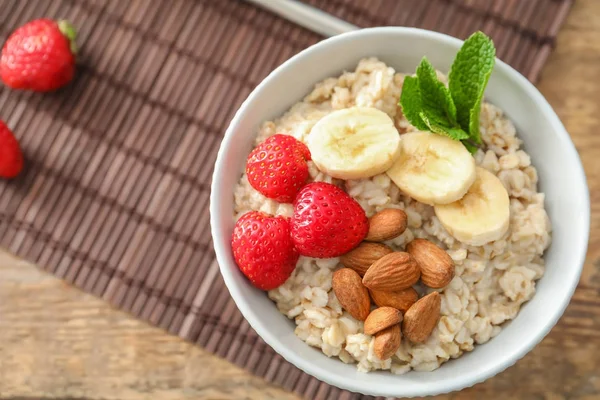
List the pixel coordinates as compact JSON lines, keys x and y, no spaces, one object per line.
{"x":277,"y":167}
{"x":327,"y":222}
{"x":39,"y":56}
{"x":263,"y":249}
{"x":11,"y":158}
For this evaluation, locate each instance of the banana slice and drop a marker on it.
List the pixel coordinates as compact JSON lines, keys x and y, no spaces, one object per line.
{"x":433,"y":169}
{"x":482,"y":215}
{"x":354,"y":143}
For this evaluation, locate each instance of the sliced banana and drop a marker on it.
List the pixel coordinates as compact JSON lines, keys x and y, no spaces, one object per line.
{"x":354,"y":143}
{"x":482,"y":215}
{"x":433,"y":169}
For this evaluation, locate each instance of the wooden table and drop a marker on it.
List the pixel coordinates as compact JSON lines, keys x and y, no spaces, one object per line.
{"x":58,"y":342}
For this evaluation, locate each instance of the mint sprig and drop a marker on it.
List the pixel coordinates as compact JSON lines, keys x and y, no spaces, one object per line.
{"x":410,"y":100}
{"x":452,"y":111}
{"x":438,"y":109}
{"x":469,"y":75}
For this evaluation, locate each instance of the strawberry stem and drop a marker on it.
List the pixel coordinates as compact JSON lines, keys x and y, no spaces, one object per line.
{"x":70,"y":33}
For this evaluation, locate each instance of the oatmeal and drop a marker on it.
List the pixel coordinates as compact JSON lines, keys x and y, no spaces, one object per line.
{"x":490,"y":282}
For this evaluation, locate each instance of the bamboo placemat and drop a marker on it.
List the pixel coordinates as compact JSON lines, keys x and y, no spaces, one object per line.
{"x":114,"y":198}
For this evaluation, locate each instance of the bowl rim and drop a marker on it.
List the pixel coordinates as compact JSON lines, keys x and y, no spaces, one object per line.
{"x":314,"y":369}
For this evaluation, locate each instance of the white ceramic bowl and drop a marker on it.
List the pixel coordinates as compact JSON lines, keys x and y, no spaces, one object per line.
{"x":561,"y":177}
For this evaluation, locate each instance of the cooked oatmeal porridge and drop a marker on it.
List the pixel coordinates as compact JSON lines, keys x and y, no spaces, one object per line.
{"x":490,"y":282}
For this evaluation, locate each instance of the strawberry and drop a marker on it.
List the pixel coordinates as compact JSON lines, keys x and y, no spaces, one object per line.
{"x":39,"y":56}
{"x":11,"y":158}
{"x":327,"y":222}
{"x":292,"y":141}
{"x":277,"y":167}
{"x":263,"y":249}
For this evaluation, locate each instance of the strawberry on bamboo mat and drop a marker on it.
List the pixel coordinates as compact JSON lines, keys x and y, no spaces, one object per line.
{"x":39,"y":56}
{"x":11,"y":158}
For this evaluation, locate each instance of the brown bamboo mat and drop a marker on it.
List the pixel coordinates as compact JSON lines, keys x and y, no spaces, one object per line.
{"x":114,"y":198}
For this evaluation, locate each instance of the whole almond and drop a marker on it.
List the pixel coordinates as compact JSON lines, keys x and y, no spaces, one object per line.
{"x":351,"y":293}
{"x":422,"y":317}
{"x":382,"y":318}
{"x":437,"y":267}
{"x":362,"y":257}
{"x":400,"y":300}
{"x":386,"y":224}
{"x":387,"y":342}
{"x":395,"y":271}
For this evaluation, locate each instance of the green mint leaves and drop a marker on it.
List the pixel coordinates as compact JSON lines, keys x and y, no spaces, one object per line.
{"x":468,"y":78}
{"x":410,"y":99}
{"x":428,"y":105}
{"x":439,"y":111}
{"x":452,"y":111}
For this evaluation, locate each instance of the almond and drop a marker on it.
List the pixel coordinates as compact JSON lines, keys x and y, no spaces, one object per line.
{"x":351,"y":293}
{"x":400,"y":300}
{"x":395,"y":271}
{"x":382,"y":318}
{"x":437,"y":267}
{"x":361,"y":258}
{"x":386,"y":225}
{"x":422,"y":317}
{"x":387,"y":342}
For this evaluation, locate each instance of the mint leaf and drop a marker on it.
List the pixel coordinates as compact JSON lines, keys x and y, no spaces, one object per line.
{"x":441,"y":128}
{"x":410,"y":100}
{"x":469,"y":75}
{"x":427,"y":104}
{"x":435,"y":98}
{"x":438,"y":110}
{"x":474,"y":123}
{"x":471,"y":147}
{"x":452,"y":111}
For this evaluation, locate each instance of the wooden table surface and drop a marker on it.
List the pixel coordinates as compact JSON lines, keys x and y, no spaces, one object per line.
{"x":56,"y":342}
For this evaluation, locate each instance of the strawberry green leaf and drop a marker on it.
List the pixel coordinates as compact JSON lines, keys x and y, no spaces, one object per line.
{"x":69,"y":32}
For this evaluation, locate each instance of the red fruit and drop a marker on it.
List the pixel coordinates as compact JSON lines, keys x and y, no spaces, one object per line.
{"x":39,"y":56}
{"x":327,"y":222}
{"x":277,"y":167}
{"x":290,"y":140}
{"x":263,"y":249}
{"x":11,"y":158}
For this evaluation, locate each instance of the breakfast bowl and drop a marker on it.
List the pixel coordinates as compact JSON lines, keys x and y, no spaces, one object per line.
{"x":552,"y":261}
